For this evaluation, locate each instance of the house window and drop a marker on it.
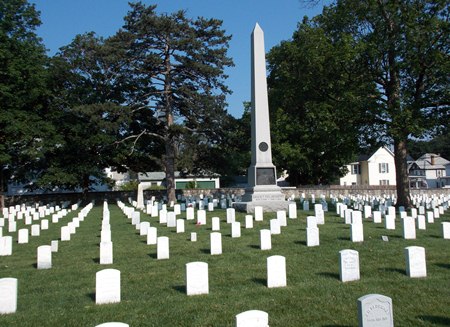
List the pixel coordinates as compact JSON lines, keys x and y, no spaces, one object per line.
{"x":356,"y":169}
{"x":383,"y":168}
{"x":384,"y":182}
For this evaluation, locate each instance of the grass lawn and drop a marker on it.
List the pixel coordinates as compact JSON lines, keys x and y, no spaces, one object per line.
{"x":153,"y":291}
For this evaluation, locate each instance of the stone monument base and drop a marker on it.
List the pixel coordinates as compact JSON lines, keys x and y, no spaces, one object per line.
{"x":268,"y":196}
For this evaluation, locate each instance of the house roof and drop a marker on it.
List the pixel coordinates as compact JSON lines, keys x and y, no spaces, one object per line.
{"x":160,"y":175}
{"x":431,"y":161}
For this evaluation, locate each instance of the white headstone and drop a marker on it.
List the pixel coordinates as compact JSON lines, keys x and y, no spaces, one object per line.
{"x":171,"y":219}
{"x":357,"y":232}
{"x":152,"y":235}
{"x":252,"y":318}
{"x":215,"y":223}
{"x":190,"y":214}
{"x":367,"y":211}
{"x":6,"y":245}
{"x":162,"y":247}
{"x":106,"y":253}
{"x":8,"y":295}
{"x":44,"y":257}
{"x":375,"y":310}
{"x":105,"y":235}
{"x":276,"y":271}
{"x":311,"y":221}
{"x":231,"y":215}
{"x":180,"y":225}
{"x":236,"y":229}
{"x":248,"y":221}
{"x":281,"y":216}
{"x":44,"y":224}
{"x":292,"y":208}
{"x":113,"y":324}
{"x":259,"y":214}
{"x":193,"y":237}
{"x":349,"y":265}
{"x":389,"y":222}
{"x":421,"y":223}
{"x":377,"y":217}
{"x":446,"y":230}
{"x":430,"y":217}
{"x":107,"y":286}
{"x":143,"y":228}
{"x":216,"y":243}
{"x":409,"y":228}
{"x":275,"y":227}
{"x":312,"y":236}
{"x":163,"y":216}
{"x":35,"y":230}
{"x":265,"y":239}
{"x":23,"y":236}
{"x":54,"y":245}
{"x":201,"y":217}
{"x":415,"y":261}
{"x":65,"y":233}
{"x":197,"y":282}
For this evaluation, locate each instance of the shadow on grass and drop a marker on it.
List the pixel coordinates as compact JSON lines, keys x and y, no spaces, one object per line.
{"x":180,"y":288}
{"x":397,"y":270}
{"x":344,"y":238}
{"x":153,"y":255}
{"x":96,"y":260}
{"x":205,"y":251}
{"x":300,"y":242}
{"x":253,"y":246}
{"x":435,"y":236}
{"x":443,"y":265}
{"x":436,"y":320}
{"x":91,"y":296}
{"x":260,"y":281}
{"x":329,"y":275}
{"x":336,"y":326}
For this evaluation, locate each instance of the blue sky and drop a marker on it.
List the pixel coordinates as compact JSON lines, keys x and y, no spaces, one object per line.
{"x":63,"y":19}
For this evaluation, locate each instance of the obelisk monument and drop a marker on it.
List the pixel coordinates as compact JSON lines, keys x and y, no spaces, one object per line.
{"x":262,"y":187}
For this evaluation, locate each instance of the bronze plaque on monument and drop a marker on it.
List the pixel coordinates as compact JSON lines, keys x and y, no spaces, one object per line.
{"x":265,"y":176}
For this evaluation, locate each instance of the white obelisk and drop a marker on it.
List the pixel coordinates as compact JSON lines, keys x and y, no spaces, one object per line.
{"x":262,"y":181}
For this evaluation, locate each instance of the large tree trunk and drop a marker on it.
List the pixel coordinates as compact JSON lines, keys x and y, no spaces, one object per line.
{"x":170,"y":170}
{"x":401,"y":174}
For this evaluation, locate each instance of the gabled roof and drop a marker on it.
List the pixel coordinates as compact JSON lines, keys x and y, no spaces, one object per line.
{"x":431,"y":161}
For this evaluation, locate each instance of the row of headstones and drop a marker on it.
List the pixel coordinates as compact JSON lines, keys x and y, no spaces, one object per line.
{"x":250,"y":318}
{"x":6,"y":242}
{"x":15,"y":216}
{"x":382,"y":203}
{"x":106,"y":244}
{"x":354,"y":218}
{"x":215,"y":237}
{"x":373,"y":309}
{"x":44,"y":252}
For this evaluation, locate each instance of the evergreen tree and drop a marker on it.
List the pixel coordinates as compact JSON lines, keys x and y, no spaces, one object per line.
{"x":177,"y":66}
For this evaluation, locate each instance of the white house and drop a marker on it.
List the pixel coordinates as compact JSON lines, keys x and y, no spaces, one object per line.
{"x":429,"y":171}
{"x":375,"y":169}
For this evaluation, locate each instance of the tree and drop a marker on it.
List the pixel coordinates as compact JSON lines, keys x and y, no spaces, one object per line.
{"x":405,"y":48}
{"x":24,"y":134}
{"x":177,"y":66}
{"x":319,"y":100}
{"x":87,"y":111}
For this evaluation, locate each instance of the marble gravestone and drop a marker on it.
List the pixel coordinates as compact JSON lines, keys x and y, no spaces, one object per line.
{"x":8,"y":295}
{"x":375,"y":310}
{"x":252,"y":318}
{"x":262,"y":187}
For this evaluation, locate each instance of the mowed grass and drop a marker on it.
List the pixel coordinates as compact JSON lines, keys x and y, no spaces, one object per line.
{"x":153,"y":291}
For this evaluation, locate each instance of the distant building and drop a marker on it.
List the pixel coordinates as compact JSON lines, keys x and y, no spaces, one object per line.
{"x":377,"y":168}
{"x":429,"y":171}
{"x":206,"y":181}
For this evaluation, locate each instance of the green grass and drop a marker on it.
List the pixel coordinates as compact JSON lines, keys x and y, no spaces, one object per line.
{"x":153,"y":291}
